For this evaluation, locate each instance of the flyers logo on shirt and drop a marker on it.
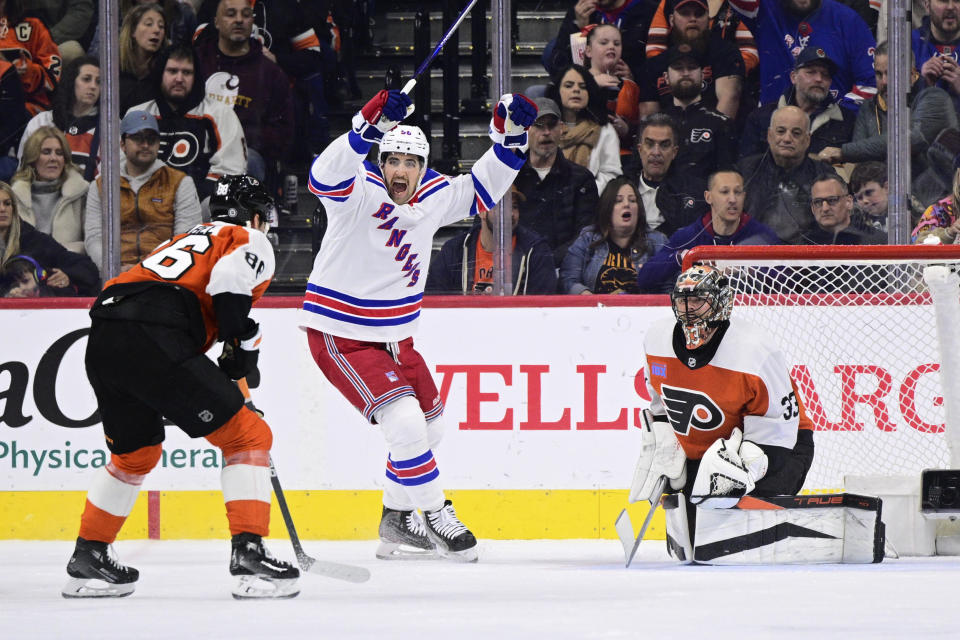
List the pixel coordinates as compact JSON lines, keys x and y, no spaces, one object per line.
{"x":688,"y":408}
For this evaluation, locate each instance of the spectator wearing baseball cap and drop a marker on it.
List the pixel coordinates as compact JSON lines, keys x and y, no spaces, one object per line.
{"x":723,"y":63}
{"x":810,"y":81}
{"x":157,"y":202}
{"x":559,"y":196}
{"x":707,"y":141}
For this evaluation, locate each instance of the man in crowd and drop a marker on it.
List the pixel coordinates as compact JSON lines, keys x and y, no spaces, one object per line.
{"x":465,"y":262}
{"x":830,"y":124}
{"x":560,"y":197}
{"x":868,"y":182}
{"x":725,"y":224}
{"x":707,"y":142}
{"x":671,"y":198}
{"x":936,"y":47}
{"x":778,"y":181}
{"x":157,"y":202}
{"x":723,"y":70}
{"x":784,"y":28}
{"x":199,"y":135}
{"x":832,"y":205}
{"x":240,"y":74}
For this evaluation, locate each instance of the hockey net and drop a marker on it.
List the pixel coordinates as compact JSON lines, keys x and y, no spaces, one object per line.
{"x":859,"y":326}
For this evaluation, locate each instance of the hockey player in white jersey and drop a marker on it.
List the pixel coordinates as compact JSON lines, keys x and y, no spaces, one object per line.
{"x":364,"y":296}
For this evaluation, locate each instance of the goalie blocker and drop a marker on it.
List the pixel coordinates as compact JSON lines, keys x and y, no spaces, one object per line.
{"x":815,"y":529}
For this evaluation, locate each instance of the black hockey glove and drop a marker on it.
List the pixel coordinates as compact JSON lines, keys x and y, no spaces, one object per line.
{"x":240,"y":355}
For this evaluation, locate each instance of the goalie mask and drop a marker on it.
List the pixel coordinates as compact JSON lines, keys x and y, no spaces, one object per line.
{"x":701,"y":299}
{"x":237,"y":198}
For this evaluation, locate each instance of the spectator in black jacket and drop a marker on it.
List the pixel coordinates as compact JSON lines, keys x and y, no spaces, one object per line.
{"x":778,"y":181}
{"x":13,"y":117}
{"x":671,"y":198}
{"x":465,"y":262}
{"x":832,"y":206}
{"x":830,"y":124}
{"x":560,"y":197}
{"x":66,"y":273}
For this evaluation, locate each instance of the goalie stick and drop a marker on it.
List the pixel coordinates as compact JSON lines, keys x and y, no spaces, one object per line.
{"x":350,"y":573}
{"x":624,"y":526}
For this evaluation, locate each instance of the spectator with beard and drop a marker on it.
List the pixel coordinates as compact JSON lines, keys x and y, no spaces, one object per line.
{"x":559,"y":197}
{"x":936,"y":47}
{"x":465,"y":262}
{"x":723,"y":70}
{"x":707,"y":142}
{"x":784,"y":28}
{"x":931,"y":111}
{"x":239,"y":72}
{"x":830,"y":125}
{"x":725,"y":224}
{"x":724,"y":22}
{"x":671,"y":198}
{"x":778,"y":180}
{"x":200,"y":135}
{"x":632,"y":17}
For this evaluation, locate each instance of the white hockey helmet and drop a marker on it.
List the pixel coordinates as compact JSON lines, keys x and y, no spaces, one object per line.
{"x":405,"y":139}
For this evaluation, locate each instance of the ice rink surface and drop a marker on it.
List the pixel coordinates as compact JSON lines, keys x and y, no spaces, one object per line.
{"x":519,"y":589}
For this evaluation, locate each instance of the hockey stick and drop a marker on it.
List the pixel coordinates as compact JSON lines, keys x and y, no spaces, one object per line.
{"x":407,"y":88}
{"x":624,"y":526}
{"x":347,"y":572}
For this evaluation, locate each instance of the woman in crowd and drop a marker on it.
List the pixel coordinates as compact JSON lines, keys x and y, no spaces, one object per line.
{"x":940,"y":221}
{"x":142,"y":34}
{"x":588,"y":138}
{"x":66,"y":273}
{"x":604,"y":58}
{"x":76,"y":105}
{"x":607,"y":255}
{"x":49,"y":189}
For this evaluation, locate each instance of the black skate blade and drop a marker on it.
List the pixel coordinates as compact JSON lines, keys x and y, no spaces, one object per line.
{"x":402,"y":552}
{"x":95,"y":588}
{"x":260,"y":588}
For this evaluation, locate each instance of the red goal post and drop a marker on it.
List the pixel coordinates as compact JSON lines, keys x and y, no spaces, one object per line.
{"x":872,"y":334}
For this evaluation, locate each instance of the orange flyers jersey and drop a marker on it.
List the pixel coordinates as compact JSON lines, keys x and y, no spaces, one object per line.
{"x":211,"y":258}
{"x":745,"y":384}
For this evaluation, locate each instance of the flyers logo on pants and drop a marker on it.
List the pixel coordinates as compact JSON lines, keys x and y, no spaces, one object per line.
{"x":688,"y":408}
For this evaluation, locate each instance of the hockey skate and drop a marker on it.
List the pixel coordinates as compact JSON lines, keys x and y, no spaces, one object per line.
{"x":453,"y":539}
{"x":95,"y":572}
{"x":260,"y":574}
{"x":403,"y":536}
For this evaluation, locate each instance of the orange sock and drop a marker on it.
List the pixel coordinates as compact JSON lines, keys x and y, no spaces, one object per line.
{"x":114,"y":492}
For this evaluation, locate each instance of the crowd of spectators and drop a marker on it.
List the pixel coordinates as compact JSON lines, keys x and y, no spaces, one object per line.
{"x":207,"y":88}
{"x":665,"y":124}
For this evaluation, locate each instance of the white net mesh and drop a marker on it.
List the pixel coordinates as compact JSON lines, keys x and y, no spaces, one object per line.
{"x":860,"y":334}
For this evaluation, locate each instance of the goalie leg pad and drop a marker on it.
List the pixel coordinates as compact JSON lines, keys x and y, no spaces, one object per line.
{"x":679,"y":544}
{"x":816,"y":529}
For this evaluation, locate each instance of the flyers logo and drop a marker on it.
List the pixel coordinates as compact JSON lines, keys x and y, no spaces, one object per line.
{"x":701,"y":135}
{"x":687,"y":408}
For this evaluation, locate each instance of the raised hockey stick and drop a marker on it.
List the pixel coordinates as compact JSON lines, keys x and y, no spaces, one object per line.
{"x":348,"y":572}
{"x":407,"y":88}
{"x":624,"y":526}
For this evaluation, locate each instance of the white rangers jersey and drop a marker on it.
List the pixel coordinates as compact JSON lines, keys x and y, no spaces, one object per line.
{"x":368,"y":278}
{"x":746,"y":383}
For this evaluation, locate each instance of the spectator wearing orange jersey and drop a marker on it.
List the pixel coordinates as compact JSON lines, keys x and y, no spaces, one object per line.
{"x":27,"y":44}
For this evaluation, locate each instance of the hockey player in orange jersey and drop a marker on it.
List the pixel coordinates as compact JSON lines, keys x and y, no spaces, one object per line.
{"x":725,"y":419}
{"x":145,"y":359}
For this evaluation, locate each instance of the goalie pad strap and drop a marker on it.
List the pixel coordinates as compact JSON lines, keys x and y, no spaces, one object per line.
{"x":817,"y":529}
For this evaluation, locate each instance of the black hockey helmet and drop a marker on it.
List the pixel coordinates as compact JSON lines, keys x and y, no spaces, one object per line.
{"x":237,"y":198}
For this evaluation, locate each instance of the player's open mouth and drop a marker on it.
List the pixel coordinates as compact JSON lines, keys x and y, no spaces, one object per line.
{"x":398,"y":187}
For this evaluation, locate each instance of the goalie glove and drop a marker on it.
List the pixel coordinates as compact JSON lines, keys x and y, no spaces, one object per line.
{"x":660,"y":455}
{"x":512,"y":116}
{"x":239,"y":356}
{"x":728,"y":471}
{"x":381,"y":114}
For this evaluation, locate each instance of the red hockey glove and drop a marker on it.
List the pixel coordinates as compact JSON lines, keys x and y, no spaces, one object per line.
{"x":512,"y":116}
{"x":381,"y":114}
